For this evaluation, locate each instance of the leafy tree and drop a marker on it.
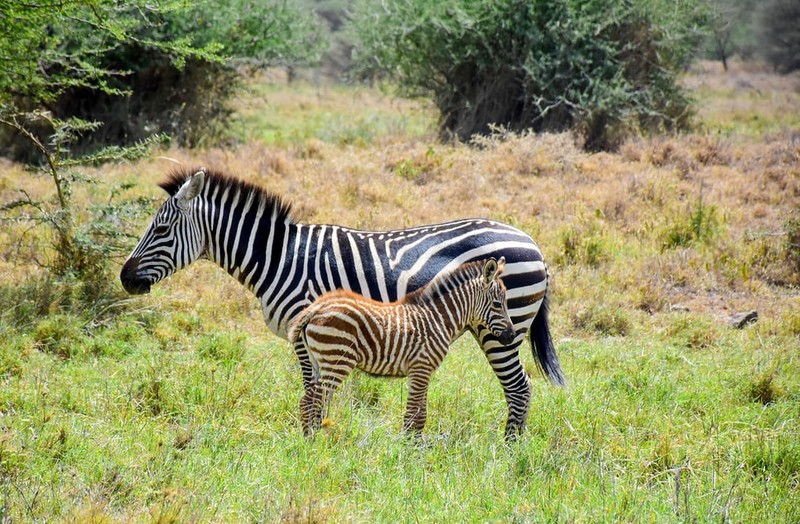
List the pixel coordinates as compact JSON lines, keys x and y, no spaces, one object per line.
{"x":143,"y":67}
{"x":780,"y":34}
{"x":730,"y":28}
{"x":603,"y":69}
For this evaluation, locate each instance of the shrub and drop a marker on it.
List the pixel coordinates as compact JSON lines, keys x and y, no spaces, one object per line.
{"x":602,"y":69}
{"x":697,"y":225}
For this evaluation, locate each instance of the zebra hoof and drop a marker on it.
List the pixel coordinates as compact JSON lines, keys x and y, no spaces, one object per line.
{"x":513,"y":432}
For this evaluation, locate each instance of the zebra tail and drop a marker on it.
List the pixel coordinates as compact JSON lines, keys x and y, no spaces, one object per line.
{"x":542,"y":345}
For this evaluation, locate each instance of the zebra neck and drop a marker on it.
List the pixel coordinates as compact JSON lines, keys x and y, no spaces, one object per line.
{"x":246,"y":240}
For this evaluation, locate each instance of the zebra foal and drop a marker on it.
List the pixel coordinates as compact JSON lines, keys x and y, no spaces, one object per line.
{"x":342,"y":330}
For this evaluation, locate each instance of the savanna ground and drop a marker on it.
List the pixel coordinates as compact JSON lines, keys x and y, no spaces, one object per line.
{"x":182,"y":407}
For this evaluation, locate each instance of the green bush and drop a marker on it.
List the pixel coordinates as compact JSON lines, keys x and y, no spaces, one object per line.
{"x":603,"y":69}
{"x":699,"y":224}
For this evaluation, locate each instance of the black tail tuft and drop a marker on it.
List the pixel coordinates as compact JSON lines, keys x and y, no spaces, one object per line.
{"x":542,"y":346}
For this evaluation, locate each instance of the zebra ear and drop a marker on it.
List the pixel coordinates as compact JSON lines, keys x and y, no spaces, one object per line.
{"x":191,"y":188}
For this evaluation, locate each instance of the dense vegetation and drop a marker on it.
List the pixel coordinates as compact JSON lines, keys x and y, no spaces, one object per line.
{"x":138,"y":69}
{"x":601,"y":68}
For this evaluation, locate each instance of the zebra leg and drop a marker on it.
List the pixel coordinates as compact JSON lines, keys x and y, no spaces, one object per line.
{"x":516,"y":384}
{"x":419,"y":378}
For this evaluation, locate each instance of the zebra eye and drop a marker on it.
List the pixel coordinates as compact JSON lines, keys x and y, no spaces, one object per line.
{"x":161,"y":230}
{"x":496,"y":304}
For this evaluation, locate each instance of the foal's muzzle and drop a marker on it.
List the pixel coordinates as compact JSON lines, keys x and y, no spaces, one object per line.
{"x":507,"y":336}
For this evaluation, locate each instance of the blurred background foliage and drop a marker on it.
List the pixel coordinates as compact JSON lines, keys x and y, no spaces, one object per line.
{"x":603,"y":69}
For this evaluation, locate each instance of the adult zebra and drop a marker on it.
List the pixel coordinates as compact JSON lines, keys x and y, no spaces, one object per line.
{"x":250,"y":233}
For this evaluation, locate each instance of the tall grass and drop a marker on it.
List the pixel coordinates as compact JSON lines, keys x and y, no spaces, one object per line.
{"x":648,"y":429}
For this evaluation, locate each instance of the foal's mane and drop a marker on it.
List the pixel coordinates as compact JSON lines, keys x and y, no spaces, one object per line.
{"x":443,"y":282}
{"x":213,"y":179}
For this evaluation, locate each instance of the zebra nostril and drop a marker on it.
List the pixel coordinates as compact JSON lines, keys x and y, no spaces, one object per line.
{"x":507,"y":337}
{"x":128,"y":271}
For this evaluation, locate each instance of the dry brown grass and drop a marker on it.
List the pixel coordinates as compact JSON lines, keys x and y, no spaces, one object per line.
{"x":601,"y":219}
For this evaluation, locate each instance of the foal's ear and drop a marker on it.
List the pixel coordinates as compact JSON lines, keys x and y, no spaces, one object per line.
{"x":492,"y":269}
{"x":191,"y":188}
{"x":489,"y":269}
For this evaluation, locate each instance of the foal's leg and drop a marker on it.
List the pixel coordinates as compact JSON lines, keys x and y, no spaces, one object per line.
{"x":309,"y":408}
{"x":419,"y":378}
{"x":319,"y":394}
{"x":306,"y":367}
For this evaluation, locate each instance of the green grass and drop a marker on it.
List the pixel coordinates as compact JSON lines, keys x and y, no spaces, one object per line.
{"x":651,"y":428}
{"x":342,"y":115}
{"x":727,"y":111}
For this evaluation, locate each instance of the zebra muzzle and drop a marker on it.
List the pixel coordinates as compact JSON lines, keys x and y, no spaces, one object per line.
{"x":133,"y":284}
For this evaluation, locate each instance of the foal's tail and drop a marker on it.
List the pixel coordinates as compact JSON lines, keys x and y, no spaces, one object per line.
{"x":542,"y":345}
{"x":298,"y":327}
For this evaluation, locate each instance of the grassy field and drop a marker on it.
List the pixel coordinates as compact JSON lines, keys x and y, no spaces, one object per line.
{"x":181,"y":407}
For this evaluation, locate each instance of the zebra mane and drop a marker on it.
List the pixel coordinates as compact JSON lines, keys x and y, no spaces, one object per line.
{"x":442,"y":283}
{"x":275,"y":202}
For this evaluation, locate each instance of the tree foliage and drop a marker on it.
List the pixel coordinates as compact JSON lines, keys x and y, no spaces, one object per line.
{"x":142,"y":67}
{"x":603,"y":69}
{"x":731,"y":29}
{"x":780,"y":34}
{"x":50,"y":47}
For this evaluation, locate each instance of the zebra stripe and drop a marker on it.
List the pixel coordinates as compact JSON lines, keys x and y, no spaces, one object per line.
{"x":250,"y":233}
{"x":342,"y":330}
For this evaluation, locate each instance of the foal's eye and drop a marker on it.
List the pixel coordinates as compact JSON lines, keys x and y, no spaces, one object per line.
{"x":161,"y":230}
{"x":496,"y":304}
